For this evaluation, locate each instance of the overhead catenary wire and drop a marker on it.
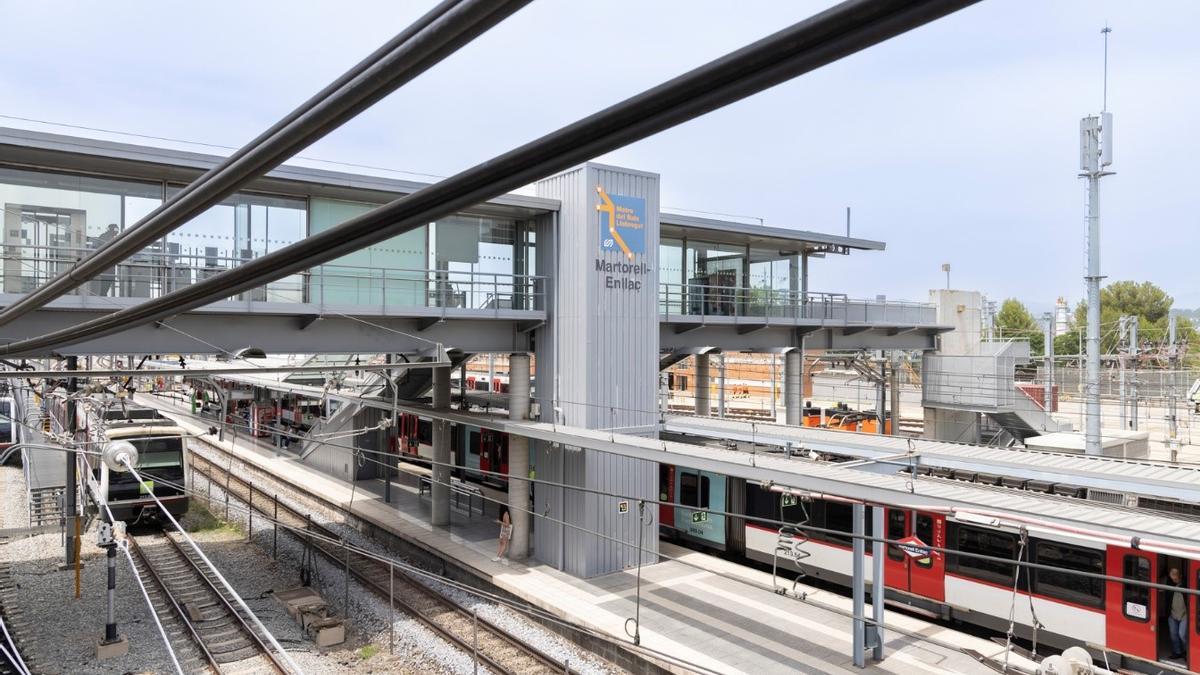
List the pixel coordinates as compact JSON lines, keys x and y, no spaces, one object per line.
{"x":821,"y":39}
{"x":429,"y":40}
{"x":760,"y":519}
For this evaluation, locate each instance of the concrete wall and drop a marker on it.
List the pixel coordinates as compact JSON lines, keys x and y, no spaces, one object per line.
{"x":964,"y":311}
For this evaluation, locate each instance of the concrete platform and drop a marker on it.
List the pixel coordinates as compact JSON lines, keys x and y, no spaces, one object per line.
{"x":707,"y":613}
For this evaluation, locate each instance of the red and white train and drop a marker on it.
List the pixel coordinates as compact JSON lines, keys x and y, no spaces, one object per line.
{"x":1125,"y":620}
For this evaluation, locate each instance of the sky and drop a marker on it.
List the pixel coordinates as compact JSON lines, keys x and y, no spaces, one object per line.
{"x":954,"y":143}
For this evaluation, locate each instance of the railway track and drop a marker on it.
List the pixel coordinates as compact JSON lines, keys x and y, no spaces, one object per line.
{"x":496,"y":648}
{"x":190,"y":601}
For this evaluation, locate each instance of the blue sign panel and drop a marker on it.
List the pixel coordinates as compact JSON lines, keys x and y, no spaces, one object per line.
{"x":622,"y":223}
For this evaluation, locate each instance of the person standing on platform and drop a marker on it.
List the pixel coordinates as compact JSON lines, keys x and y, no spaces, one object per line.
{"x":1177,"y":614}
{"x":505,"y":534}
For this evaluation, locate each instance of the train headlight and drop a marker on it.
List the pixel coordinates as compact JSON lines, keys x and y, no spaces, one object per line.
{"x":117,"y":453}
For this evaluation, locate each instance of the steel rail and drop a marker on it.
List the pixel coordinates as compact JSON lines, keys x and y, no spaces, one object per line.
{"x":814,"y":42}
{"x":214,"y":473}
{"x":178,"y":610}
{"x":429,"y":40}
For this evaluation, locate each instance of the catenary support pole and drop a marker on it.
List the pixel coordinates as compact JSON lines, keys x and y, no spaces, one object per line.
{"x":439,"y":489}
{"x":1173,"y":375}
{"x":71,"y":496}
{"x":895,"y":392}
{"x":702,"y":386}
{"x":1135,"y":354}
{"x":881,"y":397}
{"x":792,"y":386}
{"x":1048,"y":387}
{"x":518,"y":457}
{"x":859,"y":585}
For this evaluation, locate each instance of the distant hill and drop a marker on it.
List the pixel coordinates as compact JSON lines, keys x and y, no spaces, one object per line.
{"x":1193,"y":314}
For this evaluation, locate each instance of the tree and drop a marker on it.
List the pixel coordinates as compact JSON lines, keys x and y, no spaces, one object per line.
{"x":1014,"y":320}
{"x":1149,"y":303}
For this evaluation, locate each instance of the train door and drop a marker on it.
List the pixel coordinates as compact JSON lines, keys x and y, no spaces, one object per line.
{"x":1193,"y":577}
{"x":493,"y":456}
{"x":666,"y":494}
{"x":912,"y":567}
{"x":1131,"y":610}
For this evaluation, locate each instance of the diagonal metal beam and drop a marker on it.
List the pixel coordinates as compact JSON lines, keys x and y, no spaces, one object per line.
{"x":817,"y":41}
{"x":430,"y":39}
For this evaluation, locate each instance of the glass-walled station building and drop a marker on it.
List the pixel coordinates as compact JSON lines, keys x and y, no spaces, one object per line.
{"x":63,"y":196}
{"x":52,"y":217}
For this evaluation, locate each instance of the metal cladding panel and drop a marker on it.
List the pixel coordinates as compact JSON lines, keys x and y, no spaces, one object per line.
{"x":604,"y":329}
{"x":606,"y":308}
{"x":615,"y":479}
{"x":548,"y":502}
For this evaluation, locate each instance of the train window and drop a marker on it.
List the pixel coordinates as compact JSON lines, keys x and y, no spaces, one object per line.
{"x":839,"y":516}
{"x":895,"y":530}
{"x":1067,"y":585}
{"x":158,"y":453}
{"x":704,"y":488}
{"x":762,"y":503}
{"x":664,"y":478}
{"x":425,"y":431}
{"x":983,"y":542}
{"x":689,"y":489}
{"x":473,"y":443}
{"x":1135,"y":600}
{"x":923,"y":529}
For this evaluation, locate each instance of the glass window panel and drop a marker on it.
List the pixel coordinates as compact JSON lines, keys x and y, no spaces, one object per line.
{"x":51,"y":218}
{"x":1067,"y":585}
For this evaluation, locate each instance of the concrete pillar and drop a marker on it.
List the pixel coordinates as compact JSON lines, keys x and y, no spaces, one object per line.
{"x":793,"y":386}
{"x":702,"y":385}
{"x":518,"y":457}
{"x":440,"y":489}
{"x":721,"y":388}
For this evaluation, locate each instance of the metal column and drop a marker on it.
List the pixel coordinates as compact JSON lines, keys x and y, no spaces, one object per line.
{"x":1095,"y":135}
{"x":877,"y":583}
{"x":703,"y":407}
{"x":439,"y":488}
{"x":859,"y":585}
{"x":71,"y":497}
{"x":518,"y":457}
{"x":895,"y":387}
{"x":881,"y":398}
{"x":793,"y":381}
{"x":1172,"y":373}
{"x":1048,"y":393}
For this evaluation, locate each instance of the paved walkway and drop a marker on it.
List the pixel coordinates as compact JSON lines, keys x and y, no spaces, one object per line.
{"x":702,"y":610}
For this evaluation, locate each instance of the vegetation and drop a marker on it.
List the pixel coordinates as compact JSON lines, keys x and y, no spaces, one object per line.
{"x":1149,"y":303}
{"x":1015,"y":320}
{"x":368,"y":651}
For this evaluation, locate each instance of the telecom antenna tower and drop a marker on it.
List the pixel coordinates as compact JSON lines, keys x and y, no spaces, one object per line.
{"x":1095,"y":155}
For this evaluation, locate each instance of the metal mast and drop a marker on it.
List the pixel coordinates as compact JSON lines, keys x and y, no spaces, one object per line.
{"x":1095,"y":153}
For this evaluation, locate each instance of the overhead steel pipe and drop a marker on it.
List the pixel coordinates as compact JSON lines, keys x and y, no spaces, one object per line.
{"x":819,"y":40}
{"x":433,"y":37}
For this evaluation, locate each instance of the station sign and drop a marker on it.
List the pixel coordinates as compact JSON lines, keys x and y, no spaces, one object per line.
{"x":622,"y":223}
